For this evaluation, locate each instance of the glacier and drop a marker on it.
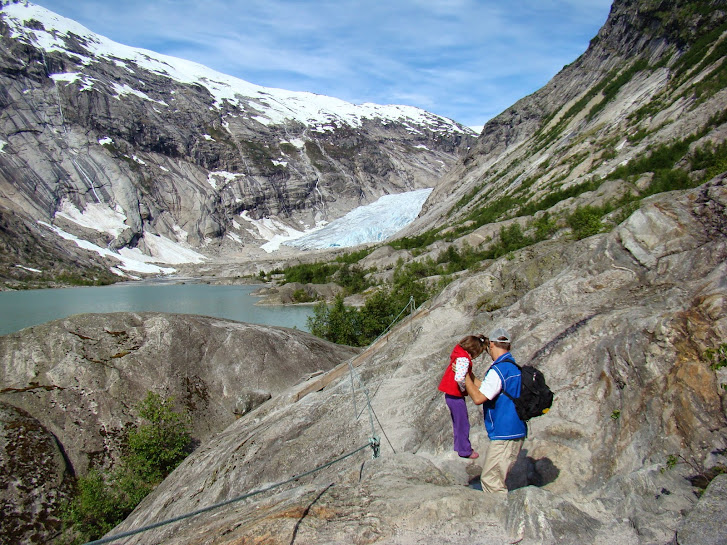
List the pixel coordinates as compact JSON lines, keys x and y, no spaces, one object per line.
{"x":373,"y":222}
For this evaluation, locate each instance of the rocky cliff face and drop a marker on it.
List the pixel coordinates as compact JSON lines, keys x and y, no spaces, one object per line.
{"x":120,"y":146}
{"x":68,"y":391}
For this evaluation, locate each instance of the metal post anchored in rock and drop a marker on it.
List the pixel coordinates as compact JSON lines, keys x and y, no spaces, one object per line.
{"x":375,"y":446}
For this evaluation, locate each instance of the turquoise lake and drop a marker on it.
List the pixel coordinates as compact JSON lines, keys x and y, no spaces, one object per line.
{"x":21,"y":309}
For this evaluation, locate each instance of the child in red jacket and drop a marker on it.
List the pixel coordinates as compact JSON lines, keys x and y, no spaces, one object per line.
{"x":452,"y":384}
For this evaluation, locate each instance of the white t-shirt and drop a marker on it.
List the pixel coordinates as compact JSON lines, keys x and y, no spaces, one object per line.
{"x":492,"y":385}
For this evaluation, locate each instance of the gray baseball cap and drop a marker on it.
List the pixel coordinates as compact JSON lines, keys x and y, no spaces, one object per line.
{"x":499,"y":335}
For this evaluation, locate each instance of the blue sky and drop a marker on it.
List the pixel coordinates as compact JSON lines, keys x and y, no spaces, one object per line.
{"x":464,"y":59}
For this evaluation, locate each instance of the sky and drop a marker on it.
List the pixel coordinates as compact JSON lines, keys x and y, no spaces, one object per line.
{"x":464,"y":59}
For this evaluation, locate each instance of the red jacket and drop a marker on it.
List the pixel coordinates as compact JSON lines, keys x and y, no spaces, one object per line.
{"x":448,"y":384}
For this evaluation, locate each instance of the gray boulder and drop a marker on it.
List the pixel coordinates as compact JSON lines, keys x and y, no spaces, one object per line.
{"x":82,"y":376}
{"x":704,"y":525}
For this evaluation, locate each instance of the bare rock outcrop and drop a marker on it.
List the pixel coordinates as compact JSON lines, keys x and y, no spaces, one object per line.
{"x":34,"y":480}
{"x":704,"y":525}
{"x":619,"y":324}
{"x":81,"y":377}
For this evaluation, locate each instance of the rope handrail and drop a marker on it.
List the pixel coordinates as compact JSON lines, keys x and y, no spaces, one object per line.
{"x":409,"y":304}
{"x":372,"y":414}
{"x":373,"y":443}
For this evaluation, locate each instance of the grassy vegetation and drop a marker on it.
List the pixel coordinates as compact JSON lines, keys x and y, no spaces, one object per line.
{"x":262,"y":156}
{"x":316,"y":157}
{"x":289,"y":149}
{"x":717,"y":357}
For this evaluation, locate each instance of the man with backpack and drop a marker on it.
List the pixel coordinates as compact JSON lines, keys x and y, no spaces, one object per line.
{"x":504,"y":428}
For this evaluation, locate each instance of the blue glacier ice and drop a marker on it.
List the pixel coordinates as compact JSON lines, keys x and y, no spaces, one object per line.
{"x":371,"y":223}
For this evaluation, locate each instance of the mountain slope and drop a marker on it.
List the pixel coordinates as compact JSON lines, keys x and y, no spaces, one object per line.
{"x":173,"y":149}
{"x":651,"y":84}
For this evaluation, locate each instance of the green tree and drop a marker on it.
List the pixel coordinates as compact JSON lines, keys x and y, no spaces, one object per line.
{"x":585,"y":221}
{"x":161,"y":442}
{"x":335,"y":323}
{"x":154,"y":448}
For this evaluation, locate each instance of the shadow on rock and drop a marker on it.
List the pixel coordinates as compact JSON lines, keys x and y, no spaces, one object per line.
{"x":527,"y":471}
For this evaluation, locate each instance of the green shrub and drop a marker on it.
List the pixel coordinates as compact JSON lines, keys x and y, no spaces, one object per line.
{"x":354,"y":257}
{"x":310,"y":273}
{"x":161,"y":443}
{"x":554,"y":197}
{"x":585,"y":221}
{"x":352,"y":278}
{"x":94,"y":510}
{"x":301,"y":296}
{"x":336,"y":323}
{"x":662,"y":158}
{"x":453,"y":259}
{"x":544,"y":226}
{"x":419,"y":241}
{"x":710,"y":158}
{"x":359,"y":327}
{"x":511,"y":239}
{"x":717,"y":357}
{"x":154,"y":449}
{"x":669,"y":180}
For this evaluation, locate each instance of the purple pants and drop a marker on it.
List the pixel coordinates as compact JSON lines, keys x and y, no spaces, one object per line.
{"x":460,"y":423}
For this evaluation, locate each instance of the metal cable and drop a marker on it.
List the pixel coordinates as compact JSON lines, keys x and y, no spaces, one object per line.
{"x":373,"y":443}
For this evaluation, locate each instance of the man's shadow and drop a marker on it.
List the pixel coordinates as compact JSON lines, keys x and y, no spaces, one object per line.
{"x":527,"y":471}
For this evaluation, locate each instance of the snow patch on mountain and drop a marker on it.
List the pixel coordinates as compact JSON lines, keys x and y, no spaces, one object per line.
{"x":96,"y":216}
{"x":100,"y":217}
{"x":271,"y":106}
{"x":127,"y":263}
{"x":163,"y":250}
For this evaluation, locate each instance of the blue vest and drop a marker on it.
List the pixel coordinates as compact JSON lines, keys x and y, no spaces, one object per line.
{"x":501,"y":419}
